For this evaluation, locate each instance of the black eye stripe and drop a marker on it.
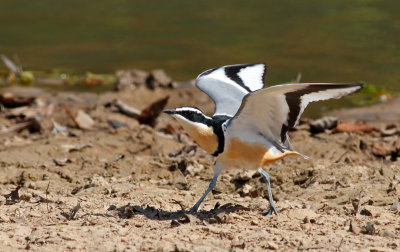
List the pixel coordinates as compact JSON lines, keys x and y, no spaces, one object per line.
{"x":194,"y":116}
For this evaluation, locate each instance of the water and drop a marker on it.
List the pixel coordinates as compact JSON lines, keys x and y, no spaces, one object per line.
{"x":327,"y":41}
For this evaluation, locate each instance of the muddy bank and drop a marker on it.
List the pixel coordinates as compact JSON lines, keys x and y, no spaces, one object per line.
{"x":120,"y":185}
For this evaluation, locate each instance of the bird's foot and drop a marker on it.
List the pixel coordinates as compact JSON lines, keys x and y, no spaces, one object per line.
{"x":192,"y":210}
{"x":271,"y":210}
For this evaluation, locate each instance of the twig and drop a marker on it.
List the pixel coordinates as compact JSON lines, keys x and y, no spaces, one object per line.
{"x":298,"y":78}
{"x":126,"y":109}
{"x":340,"y":244}
{"x":47,"y":192}
{"x":16,"y":127}
{"x":340,"y":157}
{"x":10,"y":65}
{"x":17,"y":61}
{"x":179,"y":203}
{"x":359,"y":201}
{"x":70,"y":115}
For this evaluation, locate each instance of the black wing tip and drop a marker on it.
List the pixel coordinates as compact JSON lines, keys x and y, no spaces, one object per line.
{"x":356,"y":84}
{"x":338,"y":85}
{"x":208,"y":71}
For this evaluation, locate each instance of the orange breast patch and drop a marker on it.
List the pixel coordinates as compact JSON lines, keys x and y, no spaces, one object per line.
{"x":254,"y":154}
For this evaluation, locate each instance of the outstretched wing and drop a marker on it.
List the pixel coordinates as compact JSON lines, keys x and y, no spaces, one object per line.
{"x":271,"y":112}
{"x":227,"y":85}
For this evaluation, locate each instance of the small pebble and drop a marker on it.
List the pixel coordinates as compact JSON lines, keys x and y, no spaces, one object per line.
{"x":388,"y":233}
{"x":238,"y":244}
{"x":395,"y":206}
{"x":272,"y":246}
{"x":368,"y":228}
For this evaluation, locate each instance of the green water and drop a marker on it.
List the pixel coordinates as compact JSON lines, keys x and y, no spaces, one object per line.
{"x":327,"y":41}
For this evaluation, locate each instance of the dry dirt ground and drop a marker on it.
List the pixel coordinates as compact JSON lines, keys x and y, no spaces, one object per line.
{"x":107,"y":189}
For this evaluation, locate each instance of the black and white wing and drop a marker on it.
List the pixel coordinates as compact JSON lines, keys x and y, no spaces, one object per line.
{"x":271,"y":112}
{"x":227,"y":85}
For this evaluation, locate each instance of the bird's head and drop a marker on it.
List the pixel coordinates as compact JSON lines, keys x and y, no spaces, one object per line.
{"x":197,"y":125}
{"x":189,"y":115}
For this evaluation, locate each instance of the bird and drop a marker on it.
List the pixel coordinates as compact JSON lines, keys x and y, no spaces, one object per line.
{"x":250,"y":125}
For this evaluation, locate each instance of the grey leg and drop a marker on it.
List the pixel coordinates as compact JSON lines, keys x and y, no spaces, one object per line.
{"x":217,"y":170}
{"x":272,"y":207}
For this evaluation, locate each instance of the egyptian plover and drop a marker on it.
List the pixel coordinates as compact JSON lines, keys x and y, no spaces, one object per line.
{"x":250,"y":125}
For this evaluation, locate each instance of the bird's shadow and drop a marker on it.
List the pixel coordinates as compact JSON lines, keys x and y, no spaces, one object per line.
{"x":181,"y":216}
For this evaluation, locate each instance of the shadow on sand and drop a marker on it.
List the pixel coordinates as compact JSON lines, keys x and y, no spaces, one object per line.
{"x":180,"y":217}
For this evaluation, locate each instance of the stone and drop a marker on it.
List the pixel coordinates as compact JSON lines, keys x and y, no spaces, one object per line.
{"x":388,"y":233}
{"x":84,"y":120}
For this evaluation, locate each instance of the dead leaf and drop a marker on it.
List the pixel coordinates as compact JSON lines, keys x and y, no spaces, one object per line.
{"x":149,"y":114}
{"x":352,"y":127}
{"x":8,"y":100}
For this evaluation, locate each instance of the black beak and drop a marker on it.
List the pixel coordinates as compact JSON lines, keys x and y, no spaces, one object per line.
{"x":170,"y":111}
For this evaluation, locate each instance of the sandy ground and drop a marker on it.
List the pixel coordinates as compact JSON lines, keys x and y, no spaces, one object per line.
{"x":131,"y":184}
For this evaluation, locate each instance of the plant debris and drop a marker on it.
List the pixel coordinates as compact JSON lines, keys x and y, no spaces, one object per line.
{"x":147,"y":115}
{"x":352,"y":127}
{"x":71,"y":214}
{"x":322,"y":124}
{"x":13,"y":196}
{"x":9,"y":100}
{"x":369,"y":228}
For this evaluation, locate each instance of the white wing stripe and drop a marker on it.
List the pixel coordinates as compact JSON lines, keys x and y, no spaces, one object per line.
{"x":299,"y":99}
{"x":324,"y":95}
{"x":220,"y":74}
{"x":253,"y":76}
{"x":227,"y":85}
